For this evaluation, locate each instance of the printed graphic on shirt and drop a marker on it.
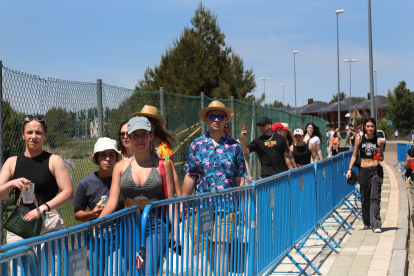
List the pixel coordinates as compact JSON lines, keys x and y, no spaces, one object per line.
{"x":369,"y":148}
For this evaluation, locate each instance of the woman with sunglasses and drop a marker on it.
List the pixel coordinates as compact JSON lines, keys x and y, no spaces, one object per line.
{"x":162,"y":140}
{"x":141,"y":180}
{"x":370,"y":178}
{"x":302,"y":152}
{"x":314,"y":136}
{"x":124,"y":144}
{"x":48,"y":173}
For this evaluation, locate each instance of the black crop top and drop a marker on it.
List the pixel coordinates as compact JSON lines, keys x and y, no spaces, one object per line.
{"x":367,"y":147}
{"x":302,"y":154}
{"x":36,"y":169}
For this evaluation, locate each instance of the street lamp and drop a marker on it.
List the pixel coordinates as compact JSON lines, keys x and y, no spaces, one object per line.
{"x":337,"y":55}
{"x":350,"y":61}
{"x":294,"y":73}
{"x":371,"y":66}
{"x":283,"y":95}
{"x":376,"y":93}
{"x":264,"y":80}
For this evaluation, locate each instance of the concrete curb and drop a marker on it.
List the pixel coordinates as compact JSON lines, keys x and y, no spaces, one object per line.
{"x":400,"y":253}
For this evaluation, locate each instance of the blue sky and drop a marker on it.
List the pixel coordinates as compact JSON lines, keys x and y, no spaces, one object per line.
{"x":117,"y":40}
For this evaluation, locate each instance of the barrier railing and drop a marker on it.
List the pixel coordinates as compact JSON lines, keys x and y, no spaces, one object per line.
{"x":210,"y":233}
{"x":402,"y":149}
{"x":246,"y":230}
{"x":111,"y":241}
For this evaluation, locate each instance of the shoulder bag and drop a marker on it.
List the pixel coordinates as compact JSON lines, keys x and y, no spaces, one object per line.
{"x":17,"y":225}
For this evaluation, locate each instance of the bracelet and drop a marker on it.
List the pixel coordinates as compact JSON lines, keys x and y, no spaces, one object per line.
{"x":349,"y":170}
{"x":48,"y":207}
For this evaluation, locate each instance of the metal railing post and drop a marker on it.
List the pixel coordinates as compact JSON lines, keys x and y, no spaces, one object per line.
{"x":1,"y":146}
{"x":100,"y":107}
{"x":233,"y":128}
{"x":203,"y":125}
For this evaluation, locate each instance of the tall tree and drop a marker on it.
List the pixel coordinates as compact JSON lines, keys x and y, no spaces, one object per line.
{"x":401,"y":106}
{"x":200,"y":61}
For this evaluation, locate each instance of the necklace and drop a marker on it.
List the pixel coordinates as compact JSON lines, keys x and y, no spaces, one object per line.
{"x":267,"y":139}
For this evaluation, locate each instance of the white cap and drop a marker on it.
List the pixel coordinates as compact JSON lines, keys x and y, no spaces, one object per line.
{"x":103,"y":144}
{"x":298,"y":131}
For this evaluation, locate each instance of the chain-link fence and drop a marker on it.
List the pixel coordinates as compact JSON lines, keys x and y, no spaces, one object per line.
{"x":78,"y":113}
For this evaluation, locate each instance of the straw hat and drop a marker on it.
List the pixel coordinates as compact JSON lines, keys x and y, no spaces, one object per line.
{"x":216,"y":105}
{"x":152,"y":112}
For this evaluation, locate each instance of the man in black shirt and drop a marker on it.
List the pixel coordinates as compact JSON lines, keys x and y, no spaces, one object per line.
{"x":271,"y":147}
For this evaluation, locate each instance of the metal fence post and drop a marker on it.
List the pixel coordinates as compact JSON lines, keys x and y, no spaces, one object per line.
{"x":162,"y":111}
{"x":233,"y":122}
{"x":100,"y":108}
{"x":203,"y":125}
{"x":253,"y":135}
{"x":1,"y":146}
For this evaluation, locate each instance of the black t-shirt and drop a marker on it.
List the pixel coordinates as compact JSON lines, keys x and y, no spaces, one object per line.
{"x":91,"y":189}
{"x":271,"y":153}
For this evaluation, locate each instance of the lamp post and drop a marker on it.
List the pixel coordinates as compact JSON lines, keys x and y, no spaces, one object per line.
{"x":294,"y":73}
{"x":283,"y":95}
{"x":350,"y":62}
{"x":371,"y":66}
{"x":264,"y":81}
{"x":337,"y":55}
{"x":376,"y":93}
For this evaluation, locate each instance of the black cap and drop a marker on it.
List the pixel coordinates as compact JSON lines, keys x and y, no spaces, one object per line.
{"x":264,"y":121}
{"x":341,"y":128}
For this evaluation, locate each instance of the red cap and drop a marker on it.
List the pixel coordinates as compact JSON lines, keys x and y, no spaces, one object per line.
{"x":277,"y":126}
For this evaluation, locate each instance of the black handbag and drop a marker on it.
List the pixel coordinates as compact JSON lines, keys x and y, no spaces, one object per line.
{"x":17,"y":225}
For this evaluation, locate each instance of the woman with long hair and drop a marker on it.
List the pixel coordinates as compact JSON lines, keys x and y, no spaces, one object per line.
{"x":301,"y":151}
{"x":370,"y":178}
{"x":162,"y":140}
{"x":124,"y":144}
{"x":314,"y":136}
{"x":334,"y":144}
{"x":140,"y":181}
{"x":48,"y":175}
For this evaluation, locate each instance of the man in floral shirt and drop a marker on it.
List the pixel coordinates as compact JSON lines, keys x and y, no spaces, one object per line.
{"x":215,"y":162}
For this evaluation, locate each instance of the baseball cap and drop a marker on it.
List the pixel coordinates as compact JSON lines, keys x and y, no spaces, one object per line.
{"x":138,"y":123}
{"x":341,"y":128}
{"x":298,"y":131}
{"x":103,"y":144}
{"x":264,"y":121}
{"x":276,"y":126}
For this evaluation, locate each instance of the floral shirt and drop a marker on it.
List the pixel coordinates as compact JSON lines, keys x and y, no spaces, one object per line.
{"x":215,"y":166}
{"x":165,"y":151}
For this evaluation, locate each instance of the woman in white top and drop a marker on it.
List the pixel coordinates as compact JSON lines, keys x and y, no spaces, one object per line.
{"x":313,"y":136}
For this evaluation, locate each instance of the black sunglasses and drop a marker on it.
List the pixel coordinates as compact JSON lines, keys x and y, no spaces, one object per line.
{"x":213,"y":117}
{"x":260,"y":125}
{"x":29,"y":118}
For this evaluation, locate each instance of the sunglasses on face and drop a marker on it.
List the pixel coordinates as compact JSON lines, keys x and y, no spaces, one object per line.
{"x":29,"y":118}
{"x":260,"y":125}
{"x":122,"y":134}
{"x":213,"y":117}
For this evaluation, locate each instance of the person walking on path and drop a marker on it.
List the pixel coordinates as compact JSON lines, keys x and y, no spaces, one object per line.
{"x":271,"y":148}
{"x":396,"y":135}
{"x":408,"y":167}
{"x":333,"y":148}
{"x":215,"y":162}
{"x":162,"y":140}
{"x":314,"y":136}
{"x":302,"y":152}
{"x":344,"y":139}
{"x":370,"y":178}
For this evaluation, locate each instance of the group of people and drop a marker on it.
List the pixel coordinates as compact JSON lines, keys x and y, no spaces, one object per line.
{"x":138,"y":168}
{"x":342,"y":139}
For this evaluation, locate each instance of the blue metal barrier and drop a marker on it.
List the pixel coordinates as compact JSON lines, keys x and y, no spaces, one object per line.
{"x":213,"y":232}
{"x":23,"y":255}
{"x":324,"y":197}
{"x":273,"y":221}
{"x":402,"y":149}
{"x":112,"y":242}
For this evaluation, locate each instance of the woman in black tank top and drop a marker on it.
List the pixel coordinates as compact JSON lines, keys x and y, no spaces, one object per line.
{"x":47,"y":171}
{"x":302,"y":152}
{"x":370,"y":178}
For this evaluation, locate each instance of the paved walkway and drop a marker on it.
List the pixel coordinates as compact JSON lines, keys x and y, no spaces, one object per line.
{"x":363,"y":252}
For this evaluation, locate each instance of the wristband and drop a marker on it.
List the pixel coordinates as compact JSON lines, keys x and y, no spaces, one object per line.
{"x":349,"y":170}
{"x":41,"y":208}
{"x":48,"y":207}
{"x":44,"y":212}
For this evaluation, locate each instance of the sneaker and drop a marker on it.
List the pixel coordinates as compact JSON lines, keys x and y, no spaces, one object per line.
{"x":367,"y":227}
{"x":377,"y":230}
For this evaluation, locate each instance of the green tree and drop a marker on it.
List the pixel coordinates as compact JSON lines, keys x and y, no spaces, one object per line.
{"x":12,"y":131}
{"x":200,"y":61}
{"x":59,"y":127}
{"x":401,"y":106}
